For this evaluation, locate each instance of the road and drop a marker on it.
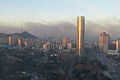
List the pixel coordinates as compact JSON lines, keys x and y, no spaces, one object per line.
{"x":112,"y":68}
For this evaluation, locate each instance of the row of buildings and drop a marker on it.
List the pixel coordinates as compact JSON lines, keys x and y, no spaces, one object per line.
{"x":105,"y":43}
{"x":17,"y":41}
{"x":20,"y":42}
{"x":65,"y":44}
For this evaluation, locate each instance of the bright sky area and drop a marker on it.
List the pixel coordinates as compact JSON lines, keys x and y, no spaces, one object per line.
{"x":52,"y":11}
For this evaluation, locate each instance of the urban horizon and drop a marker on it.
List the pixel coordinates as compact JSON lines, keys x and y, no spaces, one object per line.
{"x":35,"y":17}
{"x":59,"y":40}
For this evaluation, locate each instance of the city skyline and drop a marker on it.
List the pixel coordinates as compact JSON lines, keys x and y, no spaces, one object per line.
{"x":35,"y":17}
{"x":59,"y":40}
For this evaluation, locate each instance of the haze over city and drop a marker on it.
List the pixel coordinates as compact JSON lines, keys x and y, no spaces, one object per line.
{"x":59,"y":40}
{"x":44,"y":16}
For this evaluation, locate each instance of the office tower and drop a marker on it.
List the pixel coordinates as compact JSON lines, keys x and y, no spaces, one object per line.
{"x":65,"y":40}
{"x":80,"y":34}
{"x":19,"y":43}
{"x":10,"y":40}
{"x":117,"y":46}
{"x":104,"y":40}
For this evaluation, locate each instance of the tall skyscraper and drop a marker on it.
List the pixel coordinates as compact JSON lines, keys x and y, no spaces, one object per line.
{"x":80,"y":34}
{"x":104,"y":40}
{"x":65,"y":41}
{"x":117,"y":46}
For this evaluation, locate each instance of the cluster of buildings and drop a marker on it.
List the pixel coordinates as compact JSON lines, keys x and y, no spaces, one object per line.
{"x":108,"y":46}
{"x":20,"y":42}
{"x":64,"y":44}
{"x":79,"y":44}
{"x":15,"y":41}
{"x":12,"y":41}
{"x":105,"y":44}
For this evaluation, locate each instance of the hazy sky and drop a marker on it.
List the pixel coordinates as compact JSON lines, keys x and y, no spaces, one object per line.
{"x":42,"y":17}
{"x":45,"y":11}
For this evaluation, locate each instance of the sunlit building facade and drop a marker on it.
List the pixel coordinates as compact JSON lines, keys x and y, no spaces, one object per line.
{"x":117,"y":46}
{"x":104,"y":41}
{"x":80,"y":34}
{"x":65,"y":41}
{"x":19,"y":43}
{"x":10,"y":40}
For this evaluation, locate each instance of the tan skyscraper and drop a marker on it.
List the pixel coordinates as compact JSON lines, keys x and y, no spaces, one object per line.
{"x":104,"y":40}
{"x":65,"y":41}
{"x":80,"y":34}
{"x":117,"y":46}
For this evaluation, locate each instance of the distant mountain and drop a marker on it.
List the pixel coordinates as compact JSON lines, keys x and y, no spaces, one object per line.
{"x":24,"y":34}
{"x":4,"y":35}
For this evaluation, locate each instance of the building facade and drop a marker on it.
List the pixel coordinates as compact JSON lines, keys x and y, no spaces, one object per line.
{"x":80,"y":34}
{"x":65,"y":41}
{"x":117,"y":46}
{"x":104,"y":41}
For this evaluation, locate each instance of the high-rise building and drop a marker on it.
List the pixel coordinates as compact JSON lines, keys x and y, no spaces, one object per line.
{"x":117,"y":46}
{"x":104,"y":41}
{"x":80,"y":34}
{"x":19,"y":43}
{"x":65,"y":41}
{"x":10,"y":40}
